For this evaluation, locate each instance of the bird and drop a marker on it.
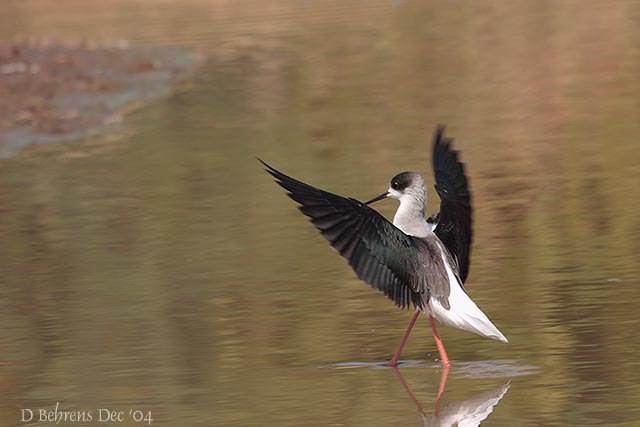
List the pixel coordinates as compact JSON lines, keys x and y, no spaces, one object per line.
{"x":412,"y":260}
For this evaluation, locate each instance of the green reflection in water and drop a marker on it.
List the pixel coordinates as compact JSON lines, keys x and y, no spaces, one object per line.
{"x":166,"y":271}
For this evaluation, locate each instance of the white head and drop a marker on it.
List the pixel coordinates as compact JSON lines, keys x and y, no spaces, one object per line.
{"x":408,"y":187}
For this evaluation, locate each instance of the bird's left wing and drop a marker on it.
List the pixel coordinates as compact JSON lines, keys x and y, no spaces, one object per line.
{"x":379,"y":253}
{"x":454,"y":222}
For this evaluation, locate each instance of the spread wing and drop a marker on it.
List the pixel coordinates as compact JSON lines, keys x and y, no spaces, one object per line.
{"x":379,"y":253}
{"x":454,"y":225}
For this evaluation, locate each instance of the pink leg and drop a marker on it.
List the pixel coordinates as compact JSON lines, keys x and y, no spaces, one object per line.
{"x":441,"y":350}
{"x":396,"y":355}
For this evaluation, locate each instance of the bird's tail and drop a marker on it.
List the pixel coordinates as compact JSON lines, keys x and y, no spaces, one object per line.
{"x":464,"y":314}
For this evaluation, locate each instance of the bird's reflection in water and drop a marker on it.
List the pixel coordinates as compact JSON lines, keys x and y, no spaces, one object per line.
{"x":467,"y":413}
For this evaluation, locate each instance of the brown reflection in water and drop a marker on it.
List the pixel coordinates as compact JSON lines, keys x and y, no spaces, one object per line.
{"x":169,"y":270}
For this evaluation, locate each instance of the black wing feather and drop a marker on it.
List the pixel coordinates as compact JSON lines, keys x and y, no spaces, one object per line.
{"x":454,"y":227}
{"x":379,"y":253}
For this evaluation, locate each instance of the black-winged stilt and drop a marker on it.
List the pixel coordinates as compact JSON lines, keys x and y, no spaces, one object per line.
{"x":412,"y":260}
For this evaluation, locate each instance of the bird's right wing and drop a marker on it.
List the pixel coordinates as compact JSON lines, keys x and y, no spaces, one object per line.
{"x":454,"y":225}
{"x":379,"y":253}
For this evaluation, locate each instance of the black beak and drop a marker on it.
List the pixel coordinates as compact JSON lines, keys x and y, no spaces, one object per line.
{"x":380,"y":197}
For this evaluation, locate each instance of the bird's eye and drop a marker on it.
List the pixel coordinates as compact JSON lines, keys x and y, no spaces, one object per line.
{"x":394,"y":185}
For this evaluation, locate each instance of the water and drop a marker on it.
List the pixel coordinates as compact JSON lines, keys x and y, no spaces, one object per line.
{"x":160,"y":269}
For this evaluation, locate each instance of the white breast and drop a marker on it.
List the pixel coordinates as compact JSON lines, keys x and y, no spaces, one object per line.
{"x":411,"y":220}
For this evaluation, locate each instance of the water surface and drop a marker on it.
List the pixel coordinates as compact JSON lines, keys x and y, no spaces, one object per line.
{"x":161,"y":269}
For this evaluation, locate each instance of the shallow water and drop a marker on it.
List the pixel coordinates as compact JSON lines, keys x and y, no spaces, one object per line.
{"x":160,"y":269}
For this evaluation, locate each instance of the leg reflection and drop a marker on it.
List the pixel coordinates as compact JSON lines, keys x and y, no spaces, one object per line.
{"x":443,"y":383}
{"x":470,"y":412}
{"x":396,"y":371}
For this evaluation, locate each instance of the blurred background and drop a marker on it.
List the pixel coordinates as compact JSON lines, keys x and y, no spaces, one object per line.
{"x":147,"y":262}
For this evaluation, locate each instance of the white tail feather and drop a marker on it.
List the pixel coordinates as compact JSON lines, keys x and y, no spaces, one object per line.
{"x":463,"y":312}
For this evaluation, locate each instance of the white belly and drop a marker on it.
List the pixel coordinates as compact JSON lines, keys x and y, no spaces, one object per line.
{"x":463,"y":312}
